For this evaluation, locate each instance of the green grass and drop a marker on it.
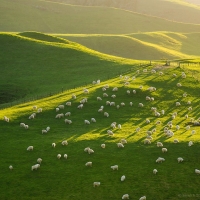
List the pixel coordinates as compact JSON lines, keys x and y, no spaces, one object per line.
{"x":70,"y":179}
{"x":49,"y":17}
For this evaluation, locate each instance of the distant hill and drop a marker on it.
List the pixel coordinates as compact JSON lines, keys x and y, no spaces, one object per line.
{"x":54,"y":17}
{"x":185,"y":11}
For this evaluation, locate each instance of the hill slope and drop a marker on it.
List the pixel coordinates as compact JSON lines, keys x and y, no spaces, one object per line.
{"x":50,"y":17}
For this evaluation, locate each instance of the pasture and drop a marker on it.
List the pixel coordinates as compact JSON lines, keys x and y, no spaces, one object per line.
{"x":70,"y":178}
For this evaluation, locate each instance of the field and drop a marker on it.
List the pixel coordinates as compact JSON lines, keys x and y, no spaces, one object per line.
{"x":52,"y":50}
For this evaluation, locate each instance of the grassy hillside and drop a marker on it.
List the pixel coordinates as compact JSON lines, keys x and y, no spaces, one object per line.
{"x":51,"y":17}
{"x":34,"y":64}
{"x":71,"y":179}
{"x":185,"y":11}
{"x":151,"y":45}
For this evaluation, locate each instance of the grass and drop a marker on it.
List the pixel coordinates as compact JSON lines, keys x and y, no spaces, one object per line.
{"x":70,"y":179}
{"x":54,"y":17}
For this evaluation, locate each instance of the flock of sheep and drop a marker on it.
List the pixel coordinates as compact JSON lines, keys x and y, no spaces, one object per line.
{"x":149,"y":133}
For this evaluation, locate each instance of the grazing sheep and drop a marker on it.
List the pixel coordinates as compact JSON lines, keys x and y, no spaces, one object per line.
{"x":80,"y":106}
{"x":177,"y":127}
{"x":59,"y":156}
{"x":153,"y":71}
{"x":103,"y":146}
{"x":58,"y":116}
{"x":193,"y":132}
{"x":73,"y":96}
{"x":143,"y":198}
{"x":96,"y":184}
{"x":125,"y":196}
{"x":189,"y":102}
{"x":39,"y":160}
{"x":93,"y":120}
{"x":65,"y":156}
{"x":197,"y":171}
{"x":178,"y":103}
{"x":86,"y":149}
{"x":105,"y":95}
{"x":190,"y":108}
{"x":61,"y":106}
{"x":57,"y":109}
{"x":159,"y":144}
{"x":120,"y":145}
{"x":174,"y":75}
{"x":86,"y":122}
{"x":114,"y":167}
{"x":68,"y":121}
{"x":44,"y":131}
{"x":68,"y":103}
{"x":131,"y":103}
{"x":137,"y":129}
{"x":67,"y":114}
{"x":30,"y":148}
{"x":180,"y":159}
{"x":178,"y":85}
{"x":119,"y":126}
{"x":123,"y":141}
{"x":48,"y":128}
{"x":26,"y":126}
{"x":36,"y":166}
{"x":107,"y":103}
{"x":110,"y":132}
{"x":112,"y":103}
{"x":115,"y":89}
{"x":122,"y":104}
{"x":53,"y":145}
{"x":117,"y":106}
{"x":11,"y":167}
{"x":88,"y":164}
{"x":185,"y":94}
{"x":106,"y":114}
{"x":134,"y":91}
{"x":176,"y":141}
{"x":84,"y":100}
{"x":34,"y":107}
{"x":190,"y":143}
{"x":64,"y":142}
{"x":123,"y":178}
{"x":90,"y":151}
{"x":147,"y":141}
{"x":22,"y":125}
{"x":144,"y":70}
{"x":164,"y":150}
{"x":113,"y":125}
{"x":140,"y":87}
{"x":85,"y":91}
{"x":39,"y":110}
{"x":160,"y":160}
{"x":140,"y":105}
{"x":155,"y":171}
{"x":99,"y":99}
{"x":147,"y":121}
{"x":188,"y":128}
{"x":32,"y":116}
{"x":128,"y":92}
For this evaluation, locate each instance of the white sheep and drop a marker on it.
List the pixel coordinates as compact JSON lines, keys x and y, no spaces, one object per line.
{"x":185,"y":94}
{"x":65,"y":156}
{"x":96,"y":184}
{"x":59,"y":156}
{"x":193,"y":132}
{"x":22,"y":124}
{"x":53,"y":145}
{"x":197,"y":171}
{"x":30,"y":148}
{"x":178,"y":103}
{"x":176,"y":141}
{"x":90,"y":151}
{"x":113,"y":124}
{"x":160,"y":160}
{"x":73,"y":96}
{"x":147,"y":121}
{"x":39,"y":110}
{"x":189,"y":102}
{"x":106,"y":114}
{"x":180,"y":159}
{"x":6,"y":119}
{"x":125,"y":196}
{"x":123,"y":141}
{"x":147,"y":141}
{"x":190,"y":143}
{"x":123,"y":178}
{"x":141,"y":105}
{"x":85,"y":91}
{"x":11,"y":167}
{"x":178,"y":85}
{"x":114,"y":167}
{"x":86,"y":122}
{"x":112,"y":103}
{"x":107,"y":103}
{"x":57,"y":109}
{"x":115,"y":89}
{"x":44,"y":131}
{"x":177,"y":127}
{"x":190,"y":108}
{"x":164,"y":150}
{"x":80,"y":106}
{"x":68,"y":121}
{"x":122,"y":104}
{"x":68,"y":103}
{"x":155,"y":171}
{"x":137,"y":129}
{"x":143,"y":198}
{"x":159,"y":144}
{"x":120,"y":145}
{"x":93,"y":120}
{"x":134,"y":91}
{"x":117,"y":106}
{"x":99,"y":99}
{"x":86,"y":149}
{"x":131,"y":103}
{"x":103,"y":146}
{"x":39,"y":160}
{"x":128,"y":92}
{"x":26,"y":126}
{"x":36,"y":166}
{"x":48,"y":128}
{"x":105,"y":95}
{"x":67,"y":114}
{"x":119,"y":126}
{"x":34,"y":107}
{"x":188,"y":127}
{"x":88,"y":164}
{"x":61,"y":106}
{"x":64,"y":142}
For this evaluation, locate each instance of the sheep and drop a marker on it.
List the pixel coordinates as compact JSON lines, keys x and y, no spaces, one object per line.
{"x":149,"y":133}
{"x":65,"y":156}
{"x":59,"y":156}
{"x":112,"y":103}
{"x":34,"y":107}
{"x":155,"y":171}
{"x":73,"y":96}
{"x":125,"y":196}
{"x":147,"y":121}
{"x":190,"y":143}
{"x":93,"y":120}
{"x":58,"y":116}
{"x":164,"y":150}
{"x":99,"y":99}
{"x":120,"y":145}
{"x":185,"y":94}
{"x":160,"y":160}
{"x":98,"y":81}
{"x":103,"y":146}
{"x":143,"y":198}
{"x":39,"y":160}
{"x":67,"y":114}
{"x":44,"y":131}
{"x":85,"y":91}
{"x":140,"y":87}
{"x":11,"y":167}
{"x":32,"y":116}
{"x":123,"y":178}
{"x":90,"y":151}
{"x":180,"y":159}
{"x":193,"y":132}
{"x":22,"y":125}
{"x":88,"y":164}
{"x":197,"y":171}
{"x":183,"y":75}
{"x":86,"y":149}
{"x":110,"y":132}
{"x":119,"y":126}
{"x":100,"y":110}
{"x":160,"y":73}
{"x":158,"y":122}
{"x":137,"y":129}
{"x":190,"y":108}
{"x":68,"y":121}
{"x":133,"y":78}
{"x":128,"y":92}
{"x":39,"y":110}
{"x":107,"y":103}
{"x":144,"y":70}
{"x":94,"y":82}
{"x":140,"y":105}
{"x":159,"y":144}
{"x":114,"y":167}
{"x":115,"y":89}
{"x":131,"y":103}
{"x":30,"y":148}
{"x":80,"y":106}
{"x":48,"y":128}
{"x":36,"y":166}
{"x":149,"y":137}
{"x":174,"y":75}
{"x":86,"y":122}
{"x":178,"y":103}
{"x":53,"y":145}
{"x":106,"y":114}
{"x":153,"y":71}
{"x":177,"y":127}
{"x":148,"y":98}
{"x":117,"y":106}
{"x":57,"y":109}
{"x":176,"y":141}
{"x":105,"y":95}
{"x":147,"y":141}
{"x":123,"y":141}
{"x":122,"y":104}
{"x":61,"y":106}
{"x":64,"y":143}
{"x":151,"y":89}
{"x":187,"y":127}
{"x":26,"y":126}
{"x":134,"y":91}
{"x":178,"y":85}
{"x":96,"y":184}
{"x":189,"y":102}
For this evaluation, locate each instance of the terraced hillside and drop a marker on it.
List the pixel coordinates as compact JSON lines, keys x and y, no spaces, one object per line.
{"x":70,"y":178}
